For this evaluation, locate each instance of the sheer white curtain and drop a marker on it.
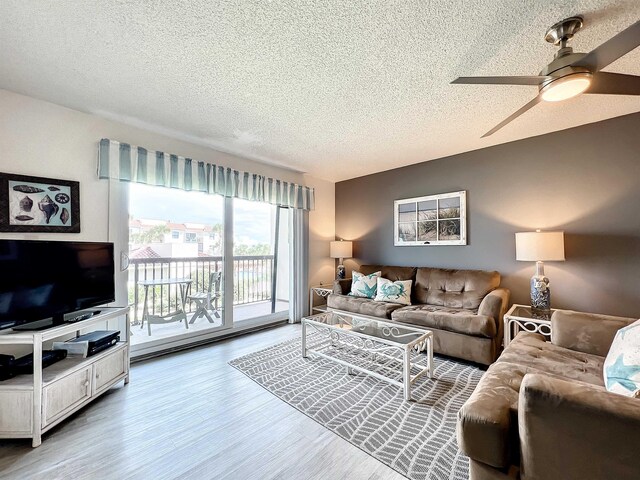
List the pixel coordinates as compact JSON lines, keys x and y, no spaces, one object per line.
{"x":299,"y":275}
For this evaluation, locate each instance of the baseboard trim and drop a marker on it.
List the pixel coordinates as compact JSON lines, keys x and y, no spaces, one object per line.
{"x":218,"y":338}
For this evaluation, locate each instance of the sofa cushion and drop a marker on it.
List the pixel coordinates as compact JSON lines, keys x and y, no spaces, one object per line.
{"x":392,"y":273}
{"x":363,"y":285}
{"x":394,"y":292}
{"x":532,"y":350}
{"x":453,"y":288}
{"x":363,"y":306}
{"x":586,"y":332}
{"x":451,"y":319}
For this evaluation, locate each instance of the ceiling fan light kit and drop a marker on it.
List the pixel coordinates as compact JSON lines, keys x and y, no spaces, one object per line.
{"x":570,"y":74}
{"x":565,"y":87}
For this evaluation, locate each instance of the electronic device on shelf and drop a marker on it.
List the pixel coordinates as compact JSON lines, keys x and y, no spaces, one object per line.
{"x":98,"y":341}
{"x":43,"y":281}
{"x":6,"y":367}
{"x":24,"y":365}
{"x":6,"y":360}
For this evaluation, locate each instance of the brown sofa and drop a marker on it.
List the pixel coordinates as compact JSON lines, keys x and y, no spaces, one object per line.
{"x":463,"y":308}
{"x":541,"y":412}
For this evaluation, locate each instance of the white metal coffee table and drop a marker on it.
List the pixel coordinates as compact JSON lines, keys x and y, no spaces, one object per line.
{"x":367,"y":345}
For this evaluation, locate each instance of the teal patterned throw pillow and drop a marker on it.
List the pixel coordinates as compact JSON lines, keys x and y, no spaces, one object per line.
{"x":622,"y":365}
{"x":394,"y":292}
{"x":364,"y":285}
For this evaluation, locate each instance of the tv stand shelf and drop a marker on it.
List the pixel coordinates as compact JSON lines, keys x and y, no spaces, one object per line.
{"x":30,"y":405}
{"x":58,"y":370}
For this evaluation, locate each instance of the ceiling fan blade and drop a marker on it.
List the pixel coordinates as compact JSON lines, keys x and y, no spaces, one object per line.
{"x":514,"y":80}
{"x":614,"y":84}
{"x":513,"y":116}
{"x":612,"y":49}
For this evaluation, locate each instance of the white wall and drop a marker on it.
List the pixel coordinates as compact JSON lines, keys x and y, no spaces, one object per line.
{"x":322,"y":230}
{"x":43,"y":139}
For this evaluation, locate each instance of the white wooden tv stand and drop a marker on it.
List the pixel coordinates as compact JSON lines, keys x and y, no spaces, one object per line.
{"x":30,"y":405}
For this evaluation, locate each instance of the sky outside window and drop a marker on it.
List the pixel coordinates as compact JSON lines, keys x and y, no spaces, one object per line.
{"x":178,"y":206}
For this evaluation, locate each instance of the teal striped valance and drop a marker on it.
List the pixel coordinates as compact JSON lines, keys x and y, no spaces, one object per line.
{"x":129,"y":163}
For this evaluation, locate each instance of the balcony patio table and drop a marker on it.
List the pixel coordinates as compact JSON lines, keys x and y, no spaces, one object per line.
{"x":178,"y":315}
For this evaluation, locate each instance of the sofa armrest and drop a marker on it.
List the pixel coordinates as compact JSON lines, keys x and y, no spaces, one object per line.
{"x":495,"y":305}
{"x":573,"y":431}
{"x":342,"y":287}
{"x":585,"y":332}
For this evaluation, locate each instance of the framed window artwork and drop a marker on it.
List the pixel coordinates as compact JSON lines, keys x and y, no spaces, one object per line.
{"x":431,"y":220}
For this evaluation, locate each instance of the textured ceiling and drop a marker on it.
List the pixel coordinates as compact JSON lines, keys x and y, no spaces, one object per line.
{"x":337,"y":89}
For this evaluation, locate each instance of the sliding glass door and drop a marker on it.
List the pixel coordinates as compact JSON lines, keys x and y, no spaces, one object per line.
{"x":195,"y":264}
{"x":261,"y":253}
{"x":176,"y":264}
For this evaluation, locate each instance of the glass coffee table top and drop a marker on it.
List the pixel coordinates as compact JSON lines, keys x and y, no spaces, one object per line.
{"x":370,"y":327}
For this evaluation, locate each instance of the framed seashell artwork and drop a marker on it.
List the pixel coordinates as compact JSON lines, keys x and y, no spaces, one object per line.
{"x":37,"y":204}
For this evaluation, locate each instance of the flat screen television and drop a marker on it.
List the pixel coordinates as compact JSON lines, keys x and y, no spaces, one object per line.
{"x":46,"y":280}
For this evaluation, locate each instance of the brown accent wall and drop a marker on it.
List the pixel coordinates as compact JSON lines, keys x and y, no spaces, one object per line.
{"x":585,"y":181}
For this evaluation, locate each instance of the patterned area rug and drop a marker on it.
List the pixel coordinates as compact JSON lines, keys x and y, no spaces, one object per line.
{"x":414,"y":438}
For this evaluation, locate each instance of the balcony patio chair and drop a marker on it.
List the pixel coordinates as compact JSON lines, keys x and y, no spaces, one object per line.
{"x":207,"y":301}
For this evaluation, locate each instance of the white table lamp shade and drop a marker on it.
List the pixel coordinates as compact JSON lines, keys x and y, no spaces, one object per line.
{"x":341,"y":249}
{"x":540,"y":246}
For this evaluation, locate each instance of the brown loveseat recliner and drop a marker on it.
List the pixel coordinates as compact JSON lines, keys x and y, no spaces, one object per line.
{"x":463,"y":308}
{"x":541,"y":412}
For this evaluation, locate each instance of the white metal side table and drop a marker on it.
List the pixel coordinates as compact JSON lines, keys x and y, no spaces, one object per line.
{"x":322,"y":291}
{"x":522,"y":318}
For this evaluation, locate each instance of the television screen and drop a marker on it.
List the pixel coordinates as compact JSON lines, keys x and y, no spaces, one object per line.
{"x":40,"y":279}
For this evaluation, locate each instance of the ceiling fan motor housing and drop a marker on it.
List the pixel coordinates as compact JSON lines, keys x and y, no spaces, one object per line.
{"x":559,"y":64}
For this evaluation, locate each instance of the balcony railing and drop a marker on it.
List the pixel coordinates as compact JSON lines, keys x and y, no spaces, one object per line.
{"x":252,"y":280}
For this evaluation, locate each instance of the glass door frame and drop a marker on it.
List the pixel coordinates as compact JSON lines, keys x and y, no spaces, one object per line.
{"x":118,"y":233}
{"x":283,"y":314}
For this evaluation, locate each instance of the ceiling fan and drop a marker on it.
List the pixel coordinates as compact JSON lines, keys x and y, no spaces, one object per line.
{"x":570,"y":74}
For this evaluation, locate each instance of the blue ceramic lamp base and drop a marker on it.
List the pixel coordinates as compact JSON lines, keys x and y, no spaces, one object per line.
{"x":540,"y":292}
{"x":341,"y":272}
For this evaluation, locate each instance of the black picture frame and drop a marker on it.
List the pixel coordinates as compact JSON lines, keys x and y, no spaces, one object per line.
{"x":55,"y":185}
